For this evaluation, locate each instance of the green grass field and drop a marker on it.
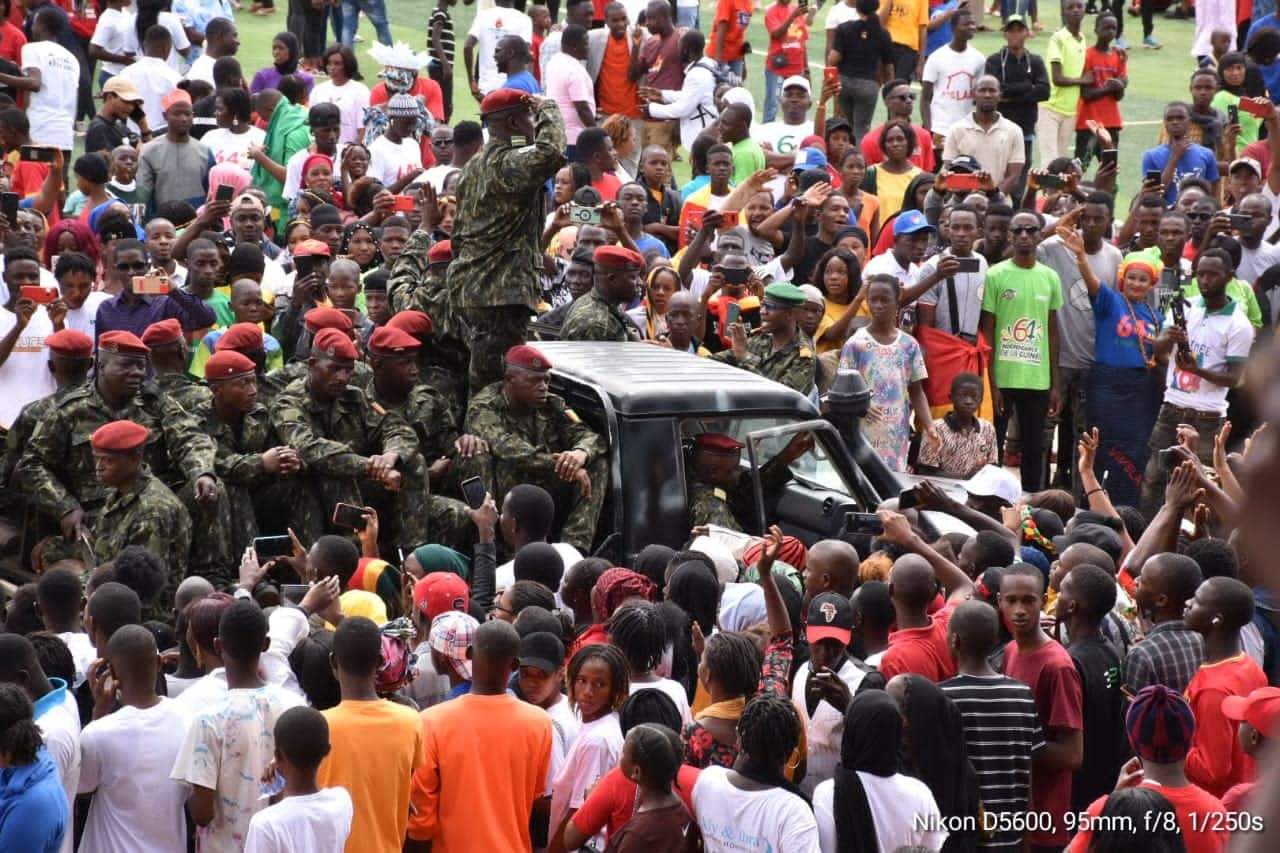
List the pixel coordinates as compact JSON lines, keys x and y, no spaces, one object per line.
{"x":1155,"y":77}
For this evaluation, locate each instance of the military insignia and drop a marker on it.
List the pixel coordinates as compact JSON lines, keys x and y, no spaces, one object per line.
{"x":378,"y":408}
{"x":721,"y":494}
{"x":573,"y":416}
{"x":805,"y":352}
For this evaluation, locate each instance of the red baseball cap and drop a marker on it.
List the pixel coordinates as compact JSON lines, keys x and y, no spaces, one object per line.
{"x":440,"y":592}
{"x":1260,"y":709}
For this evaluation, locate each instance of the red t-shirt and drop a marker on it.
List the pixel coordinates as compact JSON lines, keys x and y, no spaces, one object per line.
{"x":1201,"y":819}
{"x":613,"y":800}
{"x":922,"y":156}
{"x":1216,"y":761}
{"x":11,"y":42}
{"x":791,"y":45}
{"x":923,"y":651}
{"x":1101,"y":67}
{"x":737,"y":13}
{"x":426,"y":88}
{"x":615,"y":91}
{"x":1055,"y":685}
{"x":607,"y":186}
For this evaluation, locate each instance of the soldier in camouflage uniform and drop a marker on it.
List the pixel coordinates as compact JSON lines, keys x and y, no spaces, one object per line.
{"x":352,"y":450}
{"x":56,"y":470}
{"x":247,"y":339}
{"x":594,"y":316}
{"x":139,"y":509}
{"x":420,"y":299}
{"x":255,"y":469}
{"x":778,"y":350}
{"x":169,"y":359}
{"x":720,"y":491}
{"x":534,"y":438}
{"x":494,"y":277}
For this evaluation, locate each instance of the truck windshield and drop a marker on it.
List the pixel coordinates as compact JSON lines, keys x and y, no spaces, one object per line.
{"x":814,"y":468}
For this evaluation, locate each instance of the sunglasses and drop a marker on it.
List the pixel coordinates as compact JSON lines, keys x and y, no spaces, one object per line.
{"x":1024,"y":229}
{"x":128,"y":267}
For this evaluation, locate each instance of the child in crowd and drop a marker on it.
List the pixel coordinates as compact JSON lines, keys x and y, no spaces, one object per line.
{"x":1106,"y":68}
{"x":965,"y":442}
{"x":651,"y":759}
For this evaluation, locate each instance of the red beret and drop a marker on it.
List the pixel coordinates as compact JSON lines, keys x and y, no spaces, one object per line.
{"x":119,"y":436}
{"x":165,"y":332}
{"x":415,"y":323}
{"x":527,"y":357}
{"x":388,"y":341}
{"x":334,"y":344}
{"x":71,"y":343}
{"x":308,"y":248}
{"x":717,"y":441}
{"x":327,"y":318}
{"x":227,"y":364}
{"x":241,"y":337}
{"x":440,"y":252}
{"x":617,"y":256}
{"x":502,"y":99}
{"x":122,"y":342}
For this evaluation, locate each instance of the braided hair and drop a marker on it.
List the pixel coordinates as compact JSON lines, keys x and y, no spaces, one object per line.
{"x":734,"y":661}
{"x":20,"y":738}
{"x":610,"y":656}
{"x":769,"y":729}
{"x":639,"y":631}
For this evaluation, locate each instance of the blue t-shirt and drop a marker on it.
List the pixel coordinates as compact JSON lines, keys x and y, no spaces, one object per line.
{"x":1118,"y":343}
{"x":524,"y":81}
{"x":649,"y":243}
{"x":935,"y":39}
{"x":1198,"y":161}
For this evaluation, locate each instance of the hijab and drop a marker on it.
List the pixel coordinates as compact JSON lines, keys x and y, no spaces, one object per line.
{"x":438,"y":558}
{"x":938,"y":755}
{"x":872,"y":732}
{"x":290,"y":42}
{"x":695,"y":588}
{"x":616,"y":586}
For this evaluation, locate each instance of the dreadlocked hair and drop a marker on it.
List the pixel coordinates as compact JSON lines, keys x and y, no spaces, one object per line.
{"x":733,"y":660}
{"x":637,"y":628}
{"x":769,"y":729}
{"x":610,"y":656}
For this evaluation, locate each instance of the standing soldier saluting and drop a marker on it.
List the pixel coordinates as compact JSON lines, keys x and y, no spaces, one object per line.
{"x":493,"y":279}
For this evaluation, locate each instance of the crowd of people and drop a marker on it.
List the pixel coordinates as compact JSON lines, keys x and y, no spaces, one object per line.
{"x":302,"y":552}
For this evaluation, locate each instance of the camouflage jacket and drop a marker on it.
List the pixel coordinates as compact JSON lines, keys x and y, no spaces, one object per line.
{"x":593,"y":318}
{"x":240,"y":448}
{"x":497,"y":257}
{"x":413,"y":288}
{"x":795,"y":365}
{"x":710,"y":505}
{"x":427,"y":413}
{"x":523,"y":445}
{"x":148,"y":514}
{"x":20,"y":432}
{"x":56,"y":468}
{"x":361,"y":376}
{"x":336,"y":439}
{"x":189,"y":391}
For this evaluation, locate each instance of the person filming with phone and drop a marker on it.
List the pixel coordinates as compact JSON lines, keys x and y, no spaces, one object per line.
{"x":143,"y":295}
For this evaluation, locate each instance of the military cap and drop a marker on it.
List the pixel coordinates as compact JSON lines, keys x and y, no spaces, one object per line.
{"x":70,"y":343}
{"x":334,"y":344}
{"x":241,"y":337}
{"x":386,"y":341}
{"x":502,"y":99}
{"x":787,"y":295}
{"x":617,"y":256}
{"x":125,"y":343}
{"x":415,"y":323}
{"x":119,"y":436}
{"x":308,"y":248}
{"x":716,"y":441}
{"x":327,"y":318}
{"x":441,"y":252}
{"x":227,"y":364}
{"x":526,"y":357}
{"x":162,"y":333}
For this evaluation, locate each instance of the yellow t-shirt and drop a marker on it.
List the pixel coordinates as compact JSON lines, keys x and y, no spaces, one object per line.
{"x":891,"y":189}
{"x":835,"y":311}
{"x":906,"y":17}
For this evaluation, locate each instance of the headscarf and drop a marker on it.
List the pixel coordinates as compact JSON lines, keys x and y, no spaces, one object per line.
{"x":350,"y":231}
{"x":872,"y":732}
{"x":377,"y":576}
{"x":694,"y":587}
{"x":652,"y":563}
{"x":228,"y":175}
{"x":438,"y":558}
{"x":290,"y":41}
{"x":938,"y":755}
{"x":311,"y":160}
{"x":1142,"y":261}
{"x":616,"y":586}
{"x":397,"y":657}
{"x":86,"y":241}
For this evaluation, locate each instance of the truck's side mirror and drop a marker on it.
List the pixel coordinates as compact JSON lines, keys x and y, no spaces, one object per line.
{"x":848,"y":402}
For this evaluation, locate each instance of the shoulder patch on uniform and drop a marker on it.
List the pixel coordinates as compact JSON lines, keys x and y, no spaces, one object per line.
{"x":721,"y":494}
{"x":805,"y":352}
{"x":378,"y":408}
{"x":572,"y":415}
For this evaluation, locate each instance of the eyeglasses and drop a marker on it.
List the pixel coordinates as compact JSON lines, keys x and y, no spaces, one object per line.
{"x":1198,"y":216}
{"x":125,"y":266}
{"x":496,"y":609}
{"x":1024,"y":229}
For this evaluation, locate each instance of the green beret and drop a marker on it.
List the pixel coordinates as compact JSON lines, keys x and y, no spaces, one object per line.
{"x":786,"y":294}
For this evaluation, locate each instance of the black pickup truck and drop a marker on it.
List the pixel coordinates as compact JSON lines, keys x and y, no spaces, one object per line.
{"x":649,"y":402}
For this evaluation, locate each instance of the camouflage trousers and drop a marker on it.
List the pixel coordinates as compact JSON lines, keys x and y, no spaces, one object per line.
{"x":261,"y":511}
{"x":403,"y":516}
{"x":490,"y":332}
{"x":582,"y":516}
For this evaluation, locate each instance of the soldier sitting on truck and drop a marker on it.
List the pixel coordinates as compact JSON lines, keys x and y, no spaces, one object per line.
{"x":778,"y":350}
{"x":720,"y":491}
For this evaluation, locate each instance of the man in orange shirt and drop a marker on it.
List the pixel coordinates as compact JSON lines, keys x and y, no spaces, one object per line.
{"x":729,"y":34}
{"x":487,"y":755}
{"x":616,"y":92}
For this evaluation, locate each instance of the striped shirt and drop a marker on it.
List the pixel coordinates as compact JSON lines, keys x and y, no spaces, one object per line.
{"x":1002,"y":732}
{"x":441,"y":14}
{"x":1170,"y":654}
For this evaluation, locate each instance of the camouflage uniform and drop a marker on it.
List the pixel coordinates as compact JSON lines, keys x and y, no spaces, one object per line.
{"x":714,"y":505}
{"x":494,"y":277}
{"x":148,"y":514}
{"x":593,"y":318}
{"x":56,"y":469}
{"x":412,"y":287}
{"x":189,"y":391}
{"x":710,"y":505}
{"x":271,"y":384}
{"x":20,"y":433}
{"x":361,"y":375}
{"x":335,"y":440}
{"x":520,"y":452}
{"x":794,"y":365}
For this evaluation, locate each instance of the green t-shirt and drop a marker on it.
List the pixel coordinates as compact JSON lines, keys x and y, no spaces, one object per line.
{"x":1249,"y":124}
{"x":1069,"y":50}
{"x":1239,"y":291}
{"x":221,"y":307}
{"x":748,"y":158}
{"x":1023,"y":301}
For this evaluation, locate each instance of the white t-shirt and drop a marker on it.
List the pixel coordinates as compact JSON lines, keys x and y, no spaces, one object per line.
{"x":82,"y":652}
{"x":85,"y":318}
{"x":293,"y":169}
{"x":228,"y":147}
{"x":202,"y":69}
{"x":351,"y":98}
{"x":226,"y":749}
{"x":564,"y":731}
{"x":313,"y":823}
{"x":1216,"y":339}
{"x":489,"y":27}
{"x":60,"y":726}
{"x":25,"y":375}
{"x":733,"y":820}
{"x":126,"y":758}
{"x":783,"y":138}
{"x":825,"y":727}
{"x":114,"y":34}
{"x":952,"y":75}
{"x":389,"y":160}
{"x":567,"y":81}
{"x":673,"y":689}
{"x":886,"y":264}
{"x":52,"y":109}
{"x":898,"y":804}
{"x":1254,"y":262}
{"x":839,"y":13}
{"x":968,"y":286}
{"x":595,"y":751}
{"x":178,"y":40}
{"x":154,"y":79}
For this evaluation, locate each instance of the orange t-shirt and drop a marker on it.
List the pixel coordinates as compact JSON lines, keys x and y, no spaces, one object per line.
{"x":615,"y":92}
{"x":737,"y":13}
{"x":376,"y":745}
{"x":487,"y":760}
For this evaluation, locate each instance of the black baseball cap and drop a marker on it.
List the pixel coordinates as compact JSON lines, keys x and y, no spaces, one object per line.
{"x":543,"y":650}
{"x":1092,"y":534}
{"x":830,"y":618}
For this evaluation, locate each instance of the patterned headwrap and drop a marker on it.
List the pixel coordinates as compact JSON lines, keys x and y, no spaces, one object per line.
{"x":377,"y":576}
{"x":616,"y":586}
{"x":1032,"y":535}
{"x":397,"y":657}
{"x":1142,"y":261}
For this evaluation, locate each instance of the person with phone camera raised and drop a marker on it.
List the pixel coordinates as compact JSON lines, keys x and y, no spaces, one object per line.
{"x":24,"y":327}
{"x":778,"y":350}
{"x":594,"y":316}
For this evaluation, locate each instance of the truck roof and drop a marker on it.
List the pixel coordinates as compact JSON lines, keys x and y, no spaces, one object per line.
{"x":642,"y":379}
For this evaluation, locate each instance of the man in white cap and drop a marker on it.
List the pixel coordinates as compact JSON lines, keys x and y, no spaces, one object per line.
{"x":992,"y":489}
{"x":781,"y":139}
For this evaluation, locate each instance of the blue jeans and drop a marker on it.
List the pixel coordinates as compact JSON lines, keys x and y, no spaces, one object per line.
{"x":772,"y":93}
{"x":335,"y":19}
{"x":374,"y":10}
{"x":687,"y":16}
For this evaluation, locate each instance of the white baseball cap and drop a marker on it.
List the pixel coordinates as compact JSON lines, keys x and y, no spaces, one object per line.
{"x":797,"y":80}
{"x":994,"y":482}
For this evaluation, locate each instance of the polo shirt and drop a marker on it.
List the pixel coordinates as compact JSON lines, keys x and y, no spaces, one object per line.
{"x":1068,"y":50}
{"x":994,"y":148}
{"x":1217,"y":338}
